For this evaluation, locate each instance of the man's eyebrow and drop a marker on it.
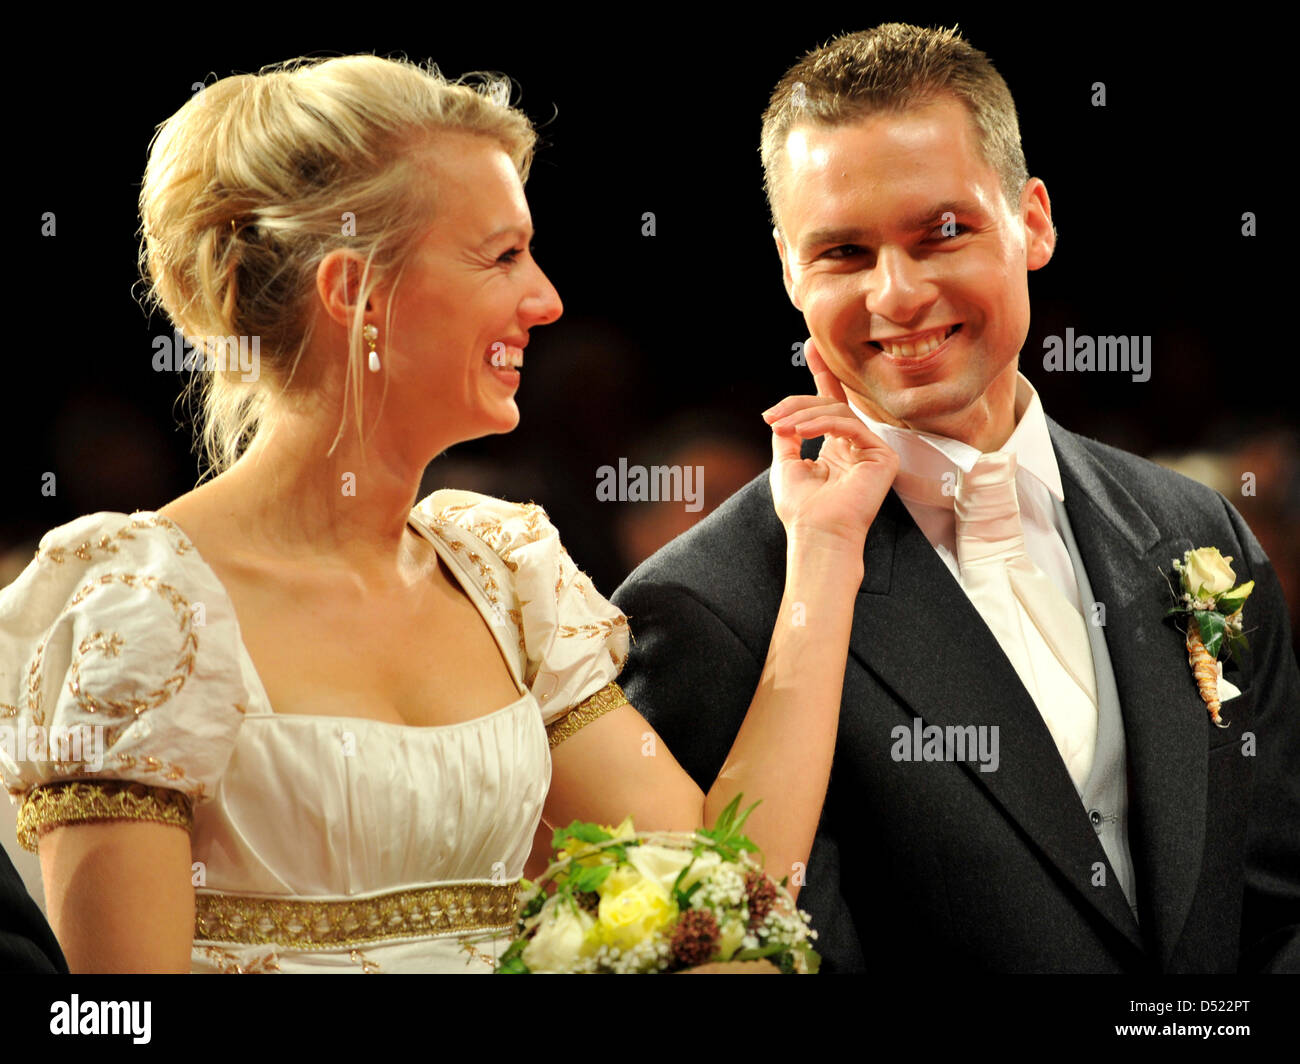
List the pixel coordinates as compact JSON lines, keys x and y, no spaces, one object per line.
{"x":925,"y":219}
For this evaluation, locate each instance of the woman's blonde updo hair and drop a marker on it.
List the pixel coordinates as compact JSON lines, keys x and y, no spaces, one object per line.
{"x":289,"y":155}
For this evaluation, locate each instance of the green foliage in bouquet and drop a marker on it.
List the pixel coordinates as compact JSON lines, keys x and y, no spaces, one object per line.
{"x":628,"y":901}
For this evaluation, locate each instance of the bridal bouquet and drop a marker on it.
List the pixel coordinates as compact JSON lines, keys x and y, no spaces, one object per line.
{"x":628,"y":901}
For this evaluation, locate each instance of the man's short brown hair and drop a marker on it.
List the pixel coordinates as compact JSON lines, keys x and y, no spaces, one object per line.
{"x":894,"y":67}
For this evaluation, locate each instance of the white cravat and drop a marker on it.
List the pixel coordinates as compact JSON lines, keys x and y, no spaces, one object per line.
{"x":930,"y":469}
{"x":1038,"y":629}
{"x":937,"y":459}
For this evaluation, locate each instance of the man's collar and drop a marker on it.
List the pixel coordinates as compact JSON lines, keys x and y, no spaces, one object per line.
{"x":928,"y":456}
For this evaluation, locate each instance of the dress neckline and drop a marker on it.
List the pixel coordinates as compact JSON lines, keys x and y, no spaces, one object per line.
{"x":250,"y":667}
{"x":472,"y":591}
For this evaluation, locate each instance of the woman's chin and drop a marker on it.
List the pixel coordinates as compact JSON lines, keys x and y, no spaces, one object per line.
{"x":510,"y":421}
{"x":496,"y":422}
{"x":502,"y":418}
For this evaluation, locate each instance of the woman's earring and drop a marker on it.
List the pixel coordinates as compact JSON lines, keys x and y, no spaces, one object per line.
{"x":371,"y":333}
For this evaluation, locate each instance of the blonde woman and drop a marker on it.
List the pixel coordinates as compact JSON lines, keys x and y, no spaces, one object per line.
{"x":332,"y":715}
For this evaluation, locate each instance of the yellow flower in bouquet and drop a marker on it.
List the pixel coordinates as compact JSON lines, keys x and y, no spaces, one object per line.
{"x":616,"y":900}
{"x":632,"y":908}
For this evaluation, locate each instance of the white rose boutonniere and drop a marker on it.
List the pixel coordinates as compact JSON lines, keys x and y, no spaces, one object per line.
{"x":1212,"y":608}
{"x":1206,"y":572}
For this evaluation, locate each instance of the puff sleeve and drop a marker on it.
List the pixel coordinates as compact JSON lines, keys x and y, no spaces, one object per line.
{"x":573,"y":641}
{"x":121,"y":688}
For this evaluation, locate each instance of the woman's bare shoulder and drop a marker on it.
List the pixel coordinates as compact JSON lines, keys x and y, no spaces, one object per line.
{"x":195,"y":508}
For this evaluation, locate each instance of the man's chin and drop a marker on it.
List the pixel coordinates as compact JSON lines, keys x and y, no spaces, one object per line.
{"x":901,"y":410}
{"x":932,"y":409}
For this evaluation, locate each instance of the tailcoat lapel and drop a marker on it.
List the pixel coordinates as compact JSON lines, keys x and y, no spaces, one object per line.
{"x":917,"y":631}
{"x":1165,"y":722}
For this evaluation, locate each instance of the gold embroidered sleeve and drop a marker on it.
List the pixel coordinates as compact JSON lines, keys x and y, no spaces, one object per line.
{"x":53,"y":805}
{"x":608,"y":697}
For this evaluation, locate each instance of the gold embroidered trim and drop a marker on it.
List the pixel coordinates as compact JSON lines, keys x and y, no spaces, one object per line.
{"x":609,"y":697}
{"x":454,"y":524}
{"x":476,"y":954}
{"x":426,"y":911}
{"x":439,"y":524}
{"x":120,"y":714}
{"x":108,"y":544}
{"x":53,"y":805}
{"x":228,"y":964}
{"x":111,"y":645}
{"x":117,"y":715}
{"x":492,"y":531}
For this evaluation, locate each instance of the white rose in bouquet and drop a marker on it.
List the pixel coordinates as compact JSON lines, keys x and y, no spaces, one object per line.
{"x":659,"y":863}
{"x":559,"y":940}
{"x":614,"y":907}
{"x":664,"y":864}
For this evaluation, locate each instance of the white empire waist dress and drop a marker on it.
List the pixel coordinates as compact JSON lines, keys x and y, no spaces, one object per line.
{"x":320,"y":844}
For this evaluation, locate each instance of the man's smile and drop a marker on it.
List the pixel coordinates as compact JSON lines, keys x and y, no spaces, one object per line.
{"x":914,"y":345}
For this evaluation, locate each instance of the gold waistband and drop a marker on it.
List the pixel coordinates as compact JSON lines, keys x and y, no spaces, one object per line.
{"x":424,"y":912}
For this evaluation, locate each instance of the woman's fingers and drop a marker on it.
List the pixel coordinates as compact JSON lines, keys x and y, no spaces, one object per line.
{"x":794,"y":421}
{"x":832,"y":420}
{"x":828,"y":384}
{"x":793,"y":404}
{"x":847,"y":428}
{"x":785,"y":447}
{"x":829,"y":389}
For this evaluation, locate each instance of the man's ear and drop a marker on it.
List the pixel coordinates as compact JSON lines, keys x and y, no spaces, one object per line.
{"x":1036,"y":216}
{"x":786,"y":276}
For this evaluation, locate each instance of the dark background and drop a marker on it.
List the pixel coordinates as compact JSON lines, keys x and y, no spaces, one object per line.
{"x":671,"y":345}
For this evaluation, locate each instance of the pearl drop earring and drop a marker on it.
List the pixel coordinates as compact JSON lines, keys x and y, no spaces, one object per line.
{"x":371,"y":333}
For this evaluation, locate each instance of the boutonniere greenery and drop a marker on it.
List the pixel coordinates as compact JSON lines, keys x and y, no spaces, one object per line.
{"x":1211,"y":607}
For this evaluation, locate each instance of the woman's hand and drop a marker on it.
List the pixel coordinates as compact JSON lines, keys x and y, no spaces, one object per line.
{"x":836,"y":497}
{"x":783,"y":751}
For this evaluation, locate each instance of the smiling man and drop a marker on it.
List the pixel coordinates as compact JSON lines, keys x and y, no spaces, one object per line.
{"x":908,"y":262}
{"x":1013,"y":593}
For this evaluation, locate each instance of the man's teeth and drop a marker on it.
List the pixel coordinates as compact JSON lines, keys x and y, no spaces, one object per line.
{"x":916,"y":349}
